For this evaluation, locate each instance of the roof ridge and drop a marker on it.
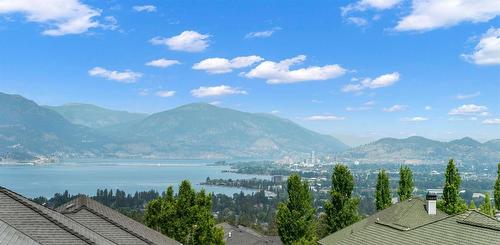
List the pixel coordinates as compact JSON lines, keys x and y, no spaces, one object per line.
{"x":15,"y":196}
{"x":84,"y":206}
{"x":20,"y":231}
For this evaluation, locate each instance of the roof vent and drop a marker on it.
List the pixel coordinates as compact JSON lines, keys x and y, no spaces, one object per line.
{"x":431,"y":203}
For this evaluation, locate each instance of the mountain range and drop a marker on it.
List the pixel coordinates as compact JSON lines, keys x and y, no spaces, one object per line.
{"x":190,"y":131}
{"x":199,"y":131}
{"x":417,"y":150}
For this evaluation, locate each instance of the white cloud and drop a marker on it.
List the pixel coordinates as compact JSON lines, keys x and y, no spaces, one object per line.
{"x":324,"y":118}
{"x":61,"y":17}
{"x":432,"y":14}
{"x":492,"y":121}
{"x":469,"y":109}
{"x":221,"y":65}
{"x":414,"y":119}
{"x":357,"y":21}
{"x":189,"y":41}
{"x":143,"y":92}
{"x":467,"y":96}
{"x":216,"y":91}
{"x":368,"y":83}
{"x":279,"y":72}
{"x":262,"y":34}
{"x":275,"y":112}
{"x":428,"y":108}
{"x":162,"y":63}
{"x":165,"y":93}
{"x":363,"y":5}
{"x":487,"y":51}
{"x":126,"y":76}
{"x":215,"y":102}
{"x":146,"y":8}
{"x":395,"y":108}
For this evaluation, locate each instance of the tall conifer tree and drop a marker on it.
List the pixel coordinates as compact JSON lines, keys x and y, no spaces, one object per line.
{"x":452,"y":203}
{"x":342,"y":209}
{"x":405,"y":188}
{"x":382,"y":191}
{"x":295,"y":219}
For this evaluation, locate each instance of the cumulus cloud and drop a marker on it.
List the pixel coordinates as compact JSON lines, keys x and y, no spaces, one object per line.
{"x":363,"y":5}
{"x":262,"y":34}
{"x":145,"y":8}
{"x":279,"y":72}
{"x":368,"y":83}
{"x":395,"y":108}
{"x":492,"y":121}
{"x":487,"y":51}
{"x":188,"y":41}
{"x":162,"y":63}
{"x":216,"y":91}
{"x":469,"y":109}
{"x":414,"y":119}
{"x":467,"y":96}
{"x":165,"y":93}
{"x":61,"y":17}
{"x":126,"y":76}
{"x":428,"y":108}
{"x":431,"y":14}
{"x":221,"y":65}
{"x":324,"y":118}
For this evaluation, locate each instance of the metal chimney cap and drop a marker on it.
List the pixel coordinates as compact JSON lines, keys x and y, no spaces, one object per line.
{"x":431,"y":196}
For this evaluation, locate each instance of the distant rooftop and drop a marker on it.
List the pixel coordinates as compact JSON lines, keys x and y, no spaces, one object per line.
{"x":241,"y":235}
{"x":409,"y":223}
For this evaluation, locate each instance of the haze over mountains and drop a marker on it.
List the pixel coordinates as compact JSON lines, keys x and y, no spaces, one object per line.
{"x":189,"y":131}
{"x":415,"y":150}
{"x":199,"y":131}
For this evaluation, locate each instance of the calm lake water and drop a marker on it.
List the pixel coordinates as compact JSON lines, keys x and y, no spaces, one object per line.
{"x":86,"y":176}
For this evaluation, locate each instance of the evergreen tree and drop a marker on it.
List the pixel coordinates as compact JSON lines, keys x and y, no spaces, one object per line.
{"x":383,"y":191}
{"x":342,"y":209}
{"x":472,"y":205}
{"x":405,"y":189}
{"x":186,"y":217}
{"x":486,"y":207}
{"x":452,"y":203}
{"x":295,"y":219}
{"x":496,"y":190}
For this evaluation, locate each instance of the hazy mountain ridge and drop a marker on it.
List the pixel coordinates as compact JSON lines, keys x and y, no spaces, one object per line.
{"x":207,"y":131}
{"x":94,"y":116}
{"x":421,"y":150}
{"x":27,"y":129}
{"x":189,"y":131}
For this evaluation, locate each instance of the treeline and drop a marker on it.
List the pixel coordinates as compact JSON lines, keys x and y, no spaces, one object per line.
{"x":297,"y":223}
{"x":130,"y":205}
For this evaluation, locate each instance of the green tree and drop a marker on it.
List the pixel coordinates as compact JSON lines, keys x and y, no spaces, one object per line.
{"x":472,"y":205}
{"x":342,"y":209}
{"x":185,"y":217}
{"x":405,"y":189}
{"x":452,"y":203}
{"x":295,"y":218}
{"x":486,"y":207}
{"x":496,"y":189}
{"x":382,"y":191}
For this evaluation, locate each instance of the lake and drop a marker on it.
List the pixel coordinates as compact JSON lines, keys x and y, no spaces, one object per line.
{"x":86,"y":176}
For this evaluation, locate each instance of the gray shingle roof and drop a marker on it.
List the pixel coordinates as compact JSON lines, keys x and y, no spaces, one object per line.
{"x":42,"y":224}
{"x":111,"y":224}
{"x":241,"y":235}
{"x":408,"y":223}
{"x":9,"y":235}
{"x":84,"y":222}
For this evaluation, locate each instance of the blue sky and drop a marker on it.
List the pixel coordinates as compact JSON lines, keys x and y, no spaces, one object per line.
{"x":359,"y":70}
